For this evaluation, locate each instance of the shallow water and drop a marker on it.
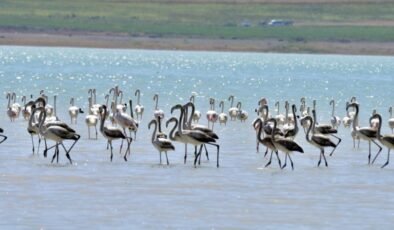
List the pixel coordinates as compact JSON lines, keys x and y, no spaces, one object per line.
{"x":241,"y":193}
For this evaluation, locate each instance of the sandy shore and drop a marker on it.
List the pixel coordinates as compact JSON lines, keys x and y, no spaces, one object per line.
{"x":123,"y":41}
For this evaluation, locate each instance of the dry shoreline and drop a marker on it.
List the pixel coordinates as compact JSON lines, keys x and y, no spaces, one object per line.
{"x":123,"y":41}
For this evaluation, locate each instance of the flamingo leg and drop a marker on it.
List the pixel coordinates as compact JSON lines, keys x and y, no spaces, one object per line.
{"x":54,"y":155}
{"x":269,"y":162}
{"x":339,"y":141}
{"x":388,"y":158}
{"x":186,"y":153}
{"x":46,"y":150}
{"x":167,"y":158}
{"x":197,"y":155}
{"x":67,"y":154}
{"x":318,"y":163}
{"x":110,"y":145}
{"x":266,"y":152}
{"x":206,"y":152}
{"x":95,"y":128}
{"x":277,"y":156}
{"x":291,"y":161}
{"x":380,"y":149}
{"x":217,"y":158}
{"x":324,"y":157}
{"x":284,"y":165}
{"x":32,"y":142}
{"x":5,"y":138}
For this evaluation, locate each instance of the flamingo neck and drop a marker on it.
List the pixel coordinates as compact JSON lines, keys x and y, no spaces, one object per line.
{"x":154,"y":131}
{"x":172,"y":135}
{"x":311,"y":127}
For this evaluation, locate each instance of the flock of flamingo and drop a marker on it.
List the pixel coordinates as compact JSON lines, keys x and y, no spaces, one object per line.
{"x":275,"y":132}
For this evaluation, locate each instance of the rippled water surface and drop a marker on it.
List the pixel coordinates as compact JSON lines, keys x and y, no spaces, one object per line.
{"x":241,"y":193}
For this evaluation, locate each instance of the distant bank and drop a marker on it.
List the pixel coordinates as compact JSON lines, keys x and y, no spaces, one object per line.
{"x":124,"y":41}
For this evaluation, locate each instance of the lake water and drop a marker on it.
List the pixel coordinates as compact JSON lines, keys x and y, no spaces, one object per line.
{"x":241,"y":194}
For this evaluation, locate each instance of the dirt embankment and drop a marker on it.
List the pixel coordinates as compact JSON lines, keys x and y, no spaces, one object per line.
{"x":122,"y":41}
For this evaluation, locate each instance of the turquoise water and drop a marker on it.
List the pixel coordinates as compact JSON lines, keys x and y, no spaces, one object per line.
{"x":240,"y":194}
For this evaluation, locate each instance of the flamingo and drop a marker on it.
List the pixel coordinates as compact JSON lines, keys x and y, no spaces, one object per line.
{"x":188,"y":125}
{"x":93,"y":107}
{"x":280,"y":118}
{"x":2,"y":135}
{"x":318,"y":140}
{"x":175,"y":136}
{"x":285,"y":145}
{"x":386,"y":140}
{"x":12,"y":112}
{"x":121,"y":107}
{"x":112,"y":133}
{"x":303,"y":107}
{"x":325,"y":130}
{"x":335,"y":120}
{"x":139,"y":109}
{"x":292,"y":132}
{"x":73,"y":111}
{"x":266,"y":141}
{"x":242,"y":114}
{"x":125,"y":121}
{"x":391,"y":120}
{"x":91,"y":119}
{"x":58,"y":134}
{"x":232,"y":111}
{"x":33,"y":128}
{"x":194,"y":137}
{"x":158,"y":112}
{"x":160,"y":143}
{"x":289,"y":121}
{"x":26,"y":111}
{"x":222,"y":116}
{"x":212,"y":116}
{"x":196,"y":114}
{"x":15,"y":105}
{"x":347,"y":120}
{"x":365,"y":133}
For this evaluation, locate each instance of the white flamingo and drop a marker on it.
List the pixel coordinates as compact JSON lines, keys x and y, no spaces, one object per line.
{"x":91,"y":119}
{"x":12,"y":112}
{"x":335,"y":120}
{"x":26,"y":110}
{"x":158,"y":112}
{"x":232,"y":111}
{"x":197,"y":114}
{"x":222,"y":116}
{"x":280,"y":118}
{"x":347,"y":120}
{"x":242,"y":114}
{"x":391,"y":120}
{"x":73,"y":111}
{"x":212,"y":115}
{"x":139,"y":109}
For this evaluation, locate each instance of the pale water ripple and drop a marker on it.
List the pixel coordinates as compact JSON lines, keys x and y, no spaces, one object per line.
{"x":241,"y":194}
